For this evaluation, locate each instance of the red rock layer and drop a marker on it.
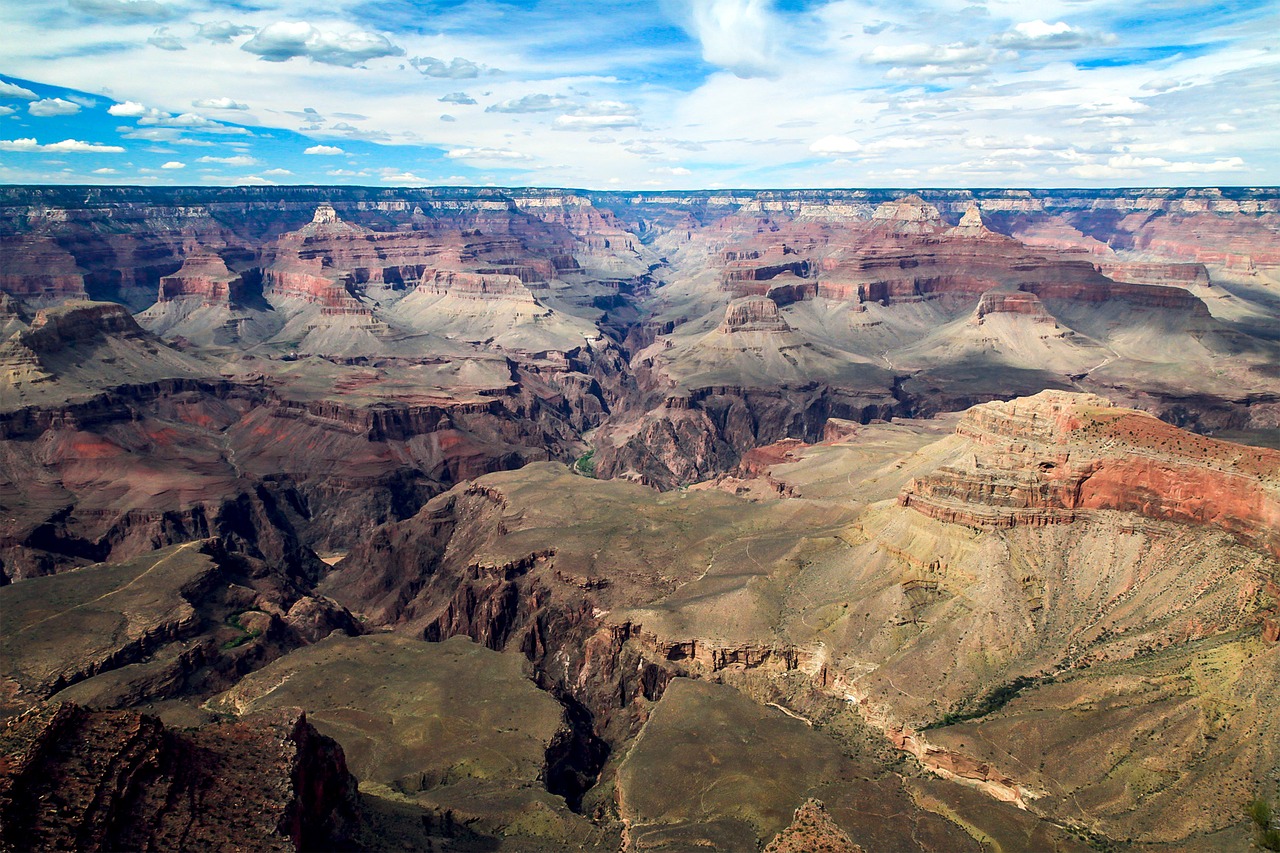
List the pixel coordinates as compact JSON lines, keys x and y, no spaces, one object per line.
{"x":1170,"y":274}
{"x":1049,"y":458}
{"x":203,"y":276}
{"x":36,"y":267}
{"x":1012,"y":302}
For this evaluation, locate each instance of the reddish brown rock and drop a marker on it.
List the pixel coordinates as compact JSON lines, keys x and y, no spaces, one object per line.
{"x":203,"y":276}
{"x":118,"y":780}
{"x":36,"y":268}
{"x":1046,"y":459}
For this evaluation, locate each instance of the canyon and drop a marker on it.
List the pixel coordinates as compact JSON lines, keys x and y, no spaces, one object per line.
{"x":456,"y":517}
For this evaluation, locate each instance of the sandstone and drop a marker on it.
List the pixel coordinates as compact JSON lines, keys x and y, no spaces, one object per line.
{"x":1052,"y":458}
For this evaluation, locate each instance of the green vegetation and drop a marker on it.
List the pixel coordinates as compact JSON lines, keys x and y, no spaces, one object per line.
{"x":246,"y":635}
{"x":1260,"y":812}
{"x":993,"y":701}
{"x":586,"y":464}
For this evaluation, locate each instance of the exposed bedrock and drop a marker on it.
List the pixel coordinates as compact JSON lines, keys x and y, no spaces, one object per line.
{"x":124,"y":781}
{"x":1051,"y":458}
{"x":706,"y":431}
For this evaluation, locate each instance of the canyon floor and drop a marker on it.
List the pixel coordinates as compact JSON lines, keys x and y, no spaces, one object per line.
{"x":482,"y":519}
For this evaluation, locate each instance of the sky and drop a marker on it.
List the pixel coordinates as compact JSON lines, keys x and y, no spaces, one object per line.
{"x":641,"y":94}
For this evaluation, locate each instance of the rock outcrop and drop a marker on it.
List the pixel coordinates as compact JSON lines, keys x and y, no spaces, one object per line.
{"x":753,"y":314}
{"x":119,"y":780}
{"x":812,"y":830}
{"x":1052,"y":458}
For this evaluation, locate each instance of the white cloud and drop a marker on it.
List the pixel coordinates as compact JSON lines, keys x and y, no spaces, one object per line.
{"x":486,"y":154}
{"x":277,"y":173}
{"x":737,"y":35}
{"x":7,"y":111}
{"x":237,"y":160}
{"x":165,"y":40}
{"x":1227,"y":164}
{"x":932,"y":60}
{"x":13,"y":90}
{"x":66,"y":146}
{"x":404,"y":179}
{"x":53,"y":107}
{"x":459,"y":98}
{"x":537,"y":103}
{"x":174,"y":164}
{"x":219,"y":104}
{"x":456,"y":69}
{"x":606,"y":121}
{"x":104,"y":171}
{"x":1038,"y":35}
{"x":221,"y":32}
{"x":324,"y":150}
{"x":835,"y":146}
{"x":130,"y":109}
{"x":287,"y":40}
{"x":678,"y":171}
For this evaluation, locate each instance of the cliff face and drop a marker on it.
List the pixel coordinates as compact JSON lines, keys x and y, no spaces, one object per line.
{"x":1052,"y":458}
{"x":119,"y":780}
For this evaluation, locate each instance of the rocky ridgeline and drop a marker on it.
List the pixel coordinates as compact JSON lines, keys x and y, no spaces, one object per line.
{"x":76,"y":779}
{"x":1051,"y":458}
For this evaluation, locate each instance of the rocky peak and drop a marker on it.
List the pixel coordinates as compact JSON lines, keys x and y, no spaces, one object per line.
{"x":971,"y":225}
{"x":908,"y":215}
{"x":325,"y":214}
{"x":812,"y":829}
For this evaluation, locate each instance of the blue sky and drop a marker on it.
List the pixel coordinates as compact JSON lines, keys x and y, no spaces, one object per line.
{"x":660,"y":94}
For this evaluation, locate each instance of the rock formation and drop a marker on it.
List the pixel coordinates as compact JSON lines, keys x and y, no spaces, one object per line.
{"x":119,"y":780}
{"x":1047,"y":459}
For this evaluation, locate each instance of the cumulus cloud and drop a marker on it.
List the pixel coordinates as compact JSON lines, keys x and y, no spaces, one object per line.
{"x":66,"y":146}
{"x":219,"y":104}
{"x":53,"y":107}
{"x":222,"y":32}
{"x":404,"y":179}
{"x":529,"y":104}
{"x":456,"y":69}
{"x":1038,"y":35}
{"x":835,"y":146}
{"x":736,"y":35}
{"x":486,"y":154}
{"x":671,"y":170}
{"x":7,"y":111}
{"x":130,"y":109}
{"x":125,"y":10}
{"x":165,"y":40}
{"x":13,"y":90}
{"x":460,"y":98}
{"x":174,"y":164}
{"x":287,"y":40}
{"x":237,"y":160}
{"x":324,"y":150}
{"x":277,"y":173}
